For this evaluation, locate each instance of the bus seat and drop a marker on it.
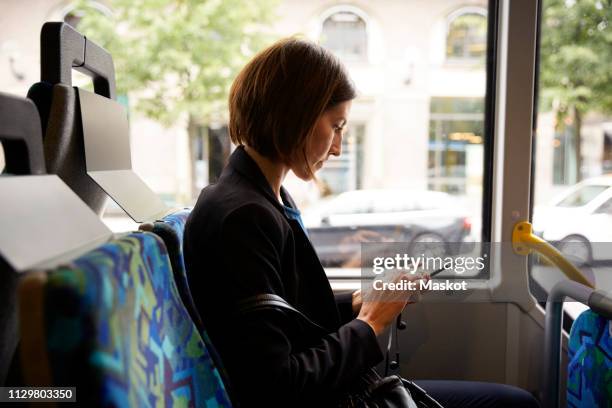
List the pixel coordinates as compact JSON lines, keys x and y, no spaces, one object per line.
{"x":22,"y":144}
{"x":65,"y":149}
{"x":590,"y":368}
{"x":41,"y":93}
{"x":112,"y":324}
{"x":9,"y":329}
{"x":106,"y":137}
{"x":63,"y":48}
{"x":20,"y":136}
{"x":589,"y":381}
{"x":171,"y":229}
{"x":86,"y":140}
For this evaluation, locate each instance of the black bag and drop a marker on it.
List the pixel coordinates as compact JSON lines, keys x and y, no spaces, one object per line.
{"x":371,"y":390}
{"x":387,"y":392}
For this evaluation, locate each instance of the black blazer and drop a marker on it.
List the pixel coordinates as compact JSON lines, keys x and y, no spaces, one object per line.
{"x":239,"y":243}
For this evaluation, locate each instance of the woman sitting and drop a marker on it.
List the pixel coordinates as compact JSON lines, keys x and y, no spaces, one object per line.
{"x":289,"y":109}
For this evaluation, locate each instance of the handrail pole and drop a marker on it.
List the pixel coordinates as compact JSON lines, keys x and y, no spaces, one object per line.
{"x":524,"y":242}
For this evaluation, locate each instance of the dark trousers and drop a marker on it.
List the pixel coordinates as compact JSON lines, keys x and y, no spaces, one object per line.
{"x":472,"y":394}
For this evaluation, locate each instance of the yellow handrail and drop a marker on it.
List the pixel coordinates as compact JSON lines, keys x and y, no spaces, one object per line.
{"x":524,"y":241}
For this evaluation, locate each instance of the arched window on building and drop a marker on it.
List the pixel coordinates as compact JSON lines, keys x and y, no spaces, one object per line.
{"x":344,"y":32}
{"x":466,"y":36}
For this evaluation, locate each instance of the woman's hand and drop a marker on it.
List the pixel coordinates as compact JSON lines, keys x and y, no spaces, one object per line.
{"x":379,"y":308}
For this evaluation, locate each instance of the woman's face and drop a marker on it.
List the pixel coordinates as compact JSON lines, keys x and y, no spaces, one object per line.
{"x":326,"y":139}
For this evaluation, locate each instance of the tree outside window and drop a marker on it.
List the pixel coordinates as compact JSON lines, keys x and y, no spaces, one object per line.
{"x":575,"y":82}
{"x":178,"y":60}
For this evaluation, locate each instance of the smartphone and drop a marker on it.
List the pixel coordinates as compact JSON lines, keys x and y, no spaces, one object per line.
{"x":437,"y":271}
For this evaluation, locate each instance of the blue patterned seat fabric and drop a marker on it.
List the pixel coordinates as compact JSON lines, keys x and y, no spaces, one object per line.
{"x":589,"y":382}
{"x":171,"y":229}
{"x":118,"y":331}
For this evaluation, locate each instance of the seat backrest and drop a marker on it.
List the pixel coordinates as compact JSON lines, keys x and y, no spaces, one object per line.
{"x":113,"y":325}
{"x":22,"y":144}
{"x":9,"y":332}
{"x":171,"y":230}
{"x":589,"y":382}
{"x":20,"y":136}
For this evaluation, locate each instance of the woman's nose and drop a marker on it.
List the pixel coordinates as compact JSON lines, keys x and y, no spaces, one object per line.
{"x":336,"y":147}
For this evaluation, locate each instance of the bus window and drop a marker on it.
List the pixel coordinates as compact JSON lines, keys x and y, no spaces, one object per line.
{"x":572,"y":149}
{"x":416,"y":128}
{"x":413,"y":153}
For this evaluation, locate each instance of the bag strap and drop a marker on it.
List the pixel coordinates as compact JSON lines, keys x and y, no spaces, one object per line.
{"x":419,"y":394}
{"x":272,"y":301}
{"x":371,"y":377}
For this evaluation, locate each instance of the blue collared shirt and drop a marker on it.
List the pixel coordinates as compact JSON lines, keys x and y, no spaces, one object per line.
{"x":294,"y":214}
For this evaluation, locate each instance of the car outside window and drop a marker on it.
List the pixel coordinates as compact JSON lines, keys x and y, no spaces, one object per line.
{"x":582,"y":196}
{"x":605,"y":208}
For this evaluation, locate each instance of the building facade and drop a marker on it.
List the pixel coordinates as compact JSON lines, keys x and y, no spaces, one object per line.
{"x":418,"y":122}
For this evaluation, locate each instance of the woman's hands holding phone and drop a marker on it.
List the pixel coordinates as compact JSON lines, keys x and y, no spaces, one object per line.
{"x":379,"y":308}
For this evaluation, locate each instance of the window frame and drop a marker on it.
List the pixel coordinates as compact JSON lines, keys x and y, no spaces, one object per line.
{"x":345,"y":278}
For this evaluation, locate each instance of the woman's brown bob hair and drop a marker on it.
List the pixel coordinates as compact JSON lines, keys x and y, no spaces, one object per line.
{"x":277,"y":98}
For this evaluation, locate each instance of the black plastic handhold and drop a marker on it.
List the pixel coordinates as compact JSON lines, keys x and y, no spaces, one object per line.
{"x":63,"y":49}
